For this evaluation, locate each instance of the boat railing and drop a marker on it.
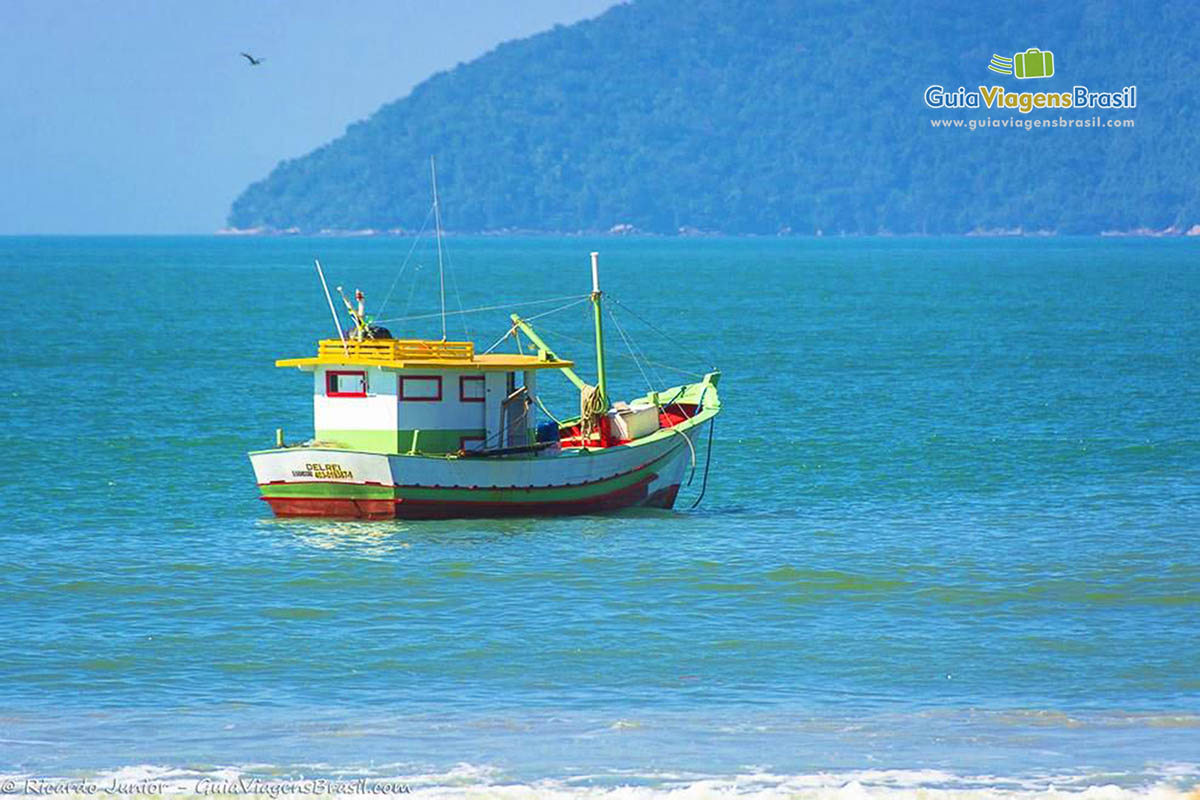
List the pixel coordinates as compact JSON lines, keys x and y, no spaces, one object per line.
{"x":384,"y":350}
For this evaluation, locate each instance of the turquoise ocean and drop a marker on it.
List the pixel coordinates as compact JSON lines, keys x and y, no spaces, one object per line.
{"x":948,"y":546}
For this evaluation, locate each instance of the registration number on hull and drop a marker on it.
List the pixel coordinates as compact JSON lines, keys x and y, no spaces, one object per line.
{"x":328,"y":472}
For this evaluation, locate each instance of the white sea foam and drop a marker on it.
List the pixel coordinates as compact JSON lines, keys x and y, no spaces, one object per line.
{"x":1172,"y":782}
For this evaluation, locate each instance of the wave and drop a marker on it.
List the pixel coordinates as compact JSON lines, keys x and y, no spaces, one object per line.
{"x":1160,"y":782}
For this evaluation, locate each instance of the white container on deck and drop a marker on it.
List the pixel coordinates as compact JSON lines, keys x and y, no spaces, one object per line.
{"x":633,"y":421}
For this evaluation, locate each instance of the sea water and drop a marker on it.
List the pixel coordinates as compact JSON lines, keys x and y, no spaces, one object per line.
{"x":948,"y":544}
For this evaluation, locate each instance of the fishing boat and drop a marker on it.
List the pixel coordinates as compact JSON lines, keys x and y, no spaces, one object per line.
{"x":415,"y":428}
{"x":420,"y":428}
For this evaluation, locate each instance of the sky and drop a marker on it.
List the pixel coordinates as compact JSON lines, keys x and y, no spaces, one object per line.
{"x":141,"y":117}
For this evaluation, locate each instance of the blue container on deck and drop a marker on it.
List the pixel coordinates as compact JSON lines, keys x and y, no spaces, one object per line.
{"x":547,"y":432}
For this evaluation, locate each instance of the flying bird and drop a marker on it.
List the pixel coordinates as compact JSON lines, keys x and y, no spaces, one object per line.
{"x":254,"y":62}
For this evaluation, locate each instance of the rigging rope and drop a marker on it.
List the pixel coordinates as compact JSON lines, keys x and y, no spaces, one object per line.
{"x":404,"y":263}
{"x":412,"y":290}
{"x":513,"y":330}
{"x":483,"y":308}
{"x":582,"y":299}
{"x":700,"y":356}
{"x":658,"y":364}
{"x":591,"y":407}
{"x":500,"y":341}
{"x":538,"y":398}
{"x":457,"y":296}
{"x":639,"y":351}
{"x":632,"y":355}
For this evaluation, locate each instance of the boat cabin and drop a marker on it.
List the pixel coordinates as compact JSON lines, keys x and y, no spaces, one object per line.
{"x":418,"y":396}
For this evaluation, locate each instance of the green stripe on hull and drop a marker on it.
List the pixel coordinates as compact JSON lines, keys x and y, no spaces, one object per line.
{"x":551,"y":494}
{"x":428,"y":441}
{"x":345,"y":491}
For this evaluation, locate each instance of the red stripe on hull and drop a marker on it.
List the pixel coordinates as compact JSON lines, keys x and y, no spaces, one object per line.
{"x":435,"y":509}
{"x":338,"y":507}
{"x":663,"y":498}
{"x":432,"y":509}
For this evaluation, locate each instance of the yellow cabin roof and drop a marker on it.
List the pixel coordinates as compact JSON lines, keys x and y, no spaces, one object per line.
{"x":410,"y":353}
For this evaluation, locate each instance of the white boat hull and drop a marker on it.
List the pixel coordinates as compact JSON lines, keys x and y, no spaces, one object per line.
{"x":318,"y":481}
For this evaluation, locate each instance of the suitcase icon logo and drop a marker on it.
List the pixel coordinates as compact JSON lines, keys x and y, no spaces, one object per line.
{"x":1033,"y":63}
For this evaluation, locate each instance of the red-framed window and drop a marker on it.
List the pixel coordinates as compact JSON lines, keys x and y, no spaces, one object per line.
{"x":470,"y":442}
{"x":470,"y":388}
{"x":421,"y":388}
{"x":345,"y":383}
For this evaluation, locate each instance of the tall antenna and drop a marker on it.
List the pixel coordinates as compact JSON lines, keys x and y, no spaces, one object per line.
{"x":437,"y":221}
{"x":336,"y":324}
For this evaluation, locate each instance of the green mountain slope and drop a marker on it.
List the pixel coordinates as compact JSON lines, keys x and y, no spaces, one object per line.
{"x":760,"y":116}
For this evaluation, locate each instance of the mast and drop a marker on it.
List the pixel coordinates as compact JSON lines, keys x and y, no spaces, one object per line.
{"x":601,"y":378}
{"x":437,"y":219}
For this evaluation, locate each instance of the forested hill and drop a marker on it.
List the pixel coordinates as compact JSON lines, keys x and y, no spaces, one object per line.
{"x":767,"y":116}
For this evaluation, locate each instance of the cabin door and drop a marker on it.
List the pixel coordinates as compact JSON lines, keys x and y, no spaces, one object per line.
{"x":516,"y":414}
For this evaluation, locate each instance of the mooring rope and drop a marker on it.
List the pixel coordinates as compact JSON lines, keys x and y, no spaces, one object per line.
{"x":712,"y":424}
